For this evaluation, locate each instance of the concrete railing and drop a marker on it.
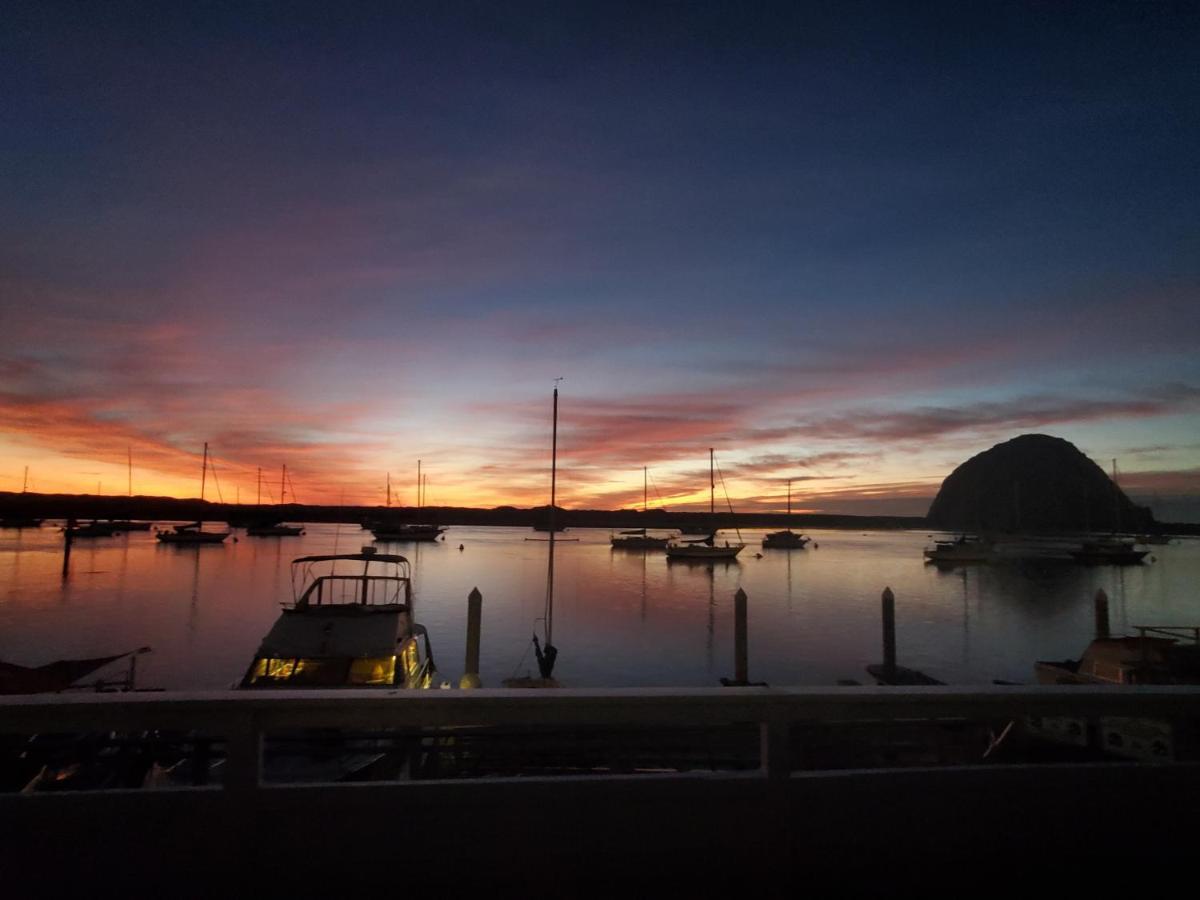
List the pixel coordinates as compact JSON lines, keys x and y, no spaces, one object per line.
{"x":242,"y":719}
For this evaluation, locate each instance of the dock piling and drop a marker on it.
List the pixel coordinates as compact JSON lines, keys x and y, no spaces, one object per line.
{"x":470,"y":678}
{"x":68,"y":536}
{"x":741,"y":664}
{"x":889,"y":633}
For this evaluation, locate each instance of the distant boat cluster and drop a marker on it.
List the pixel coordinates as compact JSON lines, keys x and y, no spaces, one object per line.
{"x":969,"y":549}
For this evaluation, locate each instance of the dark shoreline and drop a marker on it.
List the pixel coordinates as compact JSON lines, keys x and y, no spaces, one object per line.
{"x":89,"y":506}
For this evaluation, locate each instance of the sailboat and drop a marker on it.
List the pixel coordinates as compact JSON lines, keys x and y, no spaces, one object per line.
{"x":786,"y":539}
{"x":637,"y":539}
{"x":193,"y":532}
{"x":706,"y":547}
{"x":21,"y":521}
{"x":272,"y":526}
{"x":408,"y":531}
{"x":545,"y":651}
{"x":129,"y":524}
{"x":1112,"y":550}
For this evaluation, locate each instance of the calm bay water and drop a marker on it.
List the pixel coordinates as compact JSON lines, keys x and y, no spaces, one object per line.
{"x":621,"y":618}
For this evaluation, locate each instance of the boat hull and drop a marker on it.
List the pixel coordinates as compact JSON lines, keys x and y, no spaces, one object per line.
{"x":399,"y":537}
{"x":785,"y":540}
{"x":195,"y":537}
{"x":639,"y":543}
{"x":701,"y":552}
{"x":275,"y":531}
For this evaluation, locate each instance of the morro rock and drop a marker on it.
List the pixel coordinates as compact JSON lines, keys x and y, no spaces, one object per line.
{"x":1034,"y":483}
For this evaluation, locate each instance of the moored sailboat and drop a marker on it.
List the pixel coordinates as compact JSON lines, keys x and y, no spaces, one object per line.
{"x":786,"y":539}
{"x":272,"y":525}
{"x":193,"y":532}
{"x":544,"y":650}
{"x":21,"y":521}
{"x":407,"y":532}
{"x":706,"y":548}
{"x":637,"y":538}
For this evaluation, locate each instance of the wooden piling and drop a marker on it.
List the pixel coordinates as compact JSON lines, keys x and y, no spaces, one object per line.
{"x":889,"y":633}
{"x":741,"y":666}
{"x":68,"y":536}
{"x":1101,"y":610}
{"x":470,"y":678}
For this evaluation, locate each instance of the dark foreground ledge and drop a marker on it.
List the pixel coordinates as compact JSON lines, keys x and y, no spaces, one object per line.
{"x":774,"y":831}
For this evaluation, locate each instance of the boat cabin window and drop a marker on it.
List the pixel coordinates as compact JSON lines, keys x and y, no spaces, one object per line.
{"x":373,"y":671}
{"x":316,"y":672}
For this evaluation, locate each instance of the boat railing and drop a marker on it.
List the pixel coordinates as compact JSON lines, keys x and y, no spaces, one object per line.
{"x":359,"y":590}
{"x":1178,"y":632}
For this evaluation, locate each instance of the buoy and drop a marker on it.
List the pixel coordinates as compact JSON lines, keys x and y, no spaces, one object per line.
{"x":460,"y":546}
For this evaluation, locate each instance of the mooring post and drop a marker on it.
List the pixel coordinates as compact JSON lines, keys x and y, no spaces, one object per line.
{"x":741,"y":666}
{"x":68,"y":536}
{"x":470,"y":677}
{"x":1101,"y":608}
{"x":889,"y":633}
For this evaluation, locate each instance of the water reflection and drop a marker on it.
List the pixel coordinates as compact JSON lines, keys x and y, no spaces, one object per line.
{"x":622,"y":618}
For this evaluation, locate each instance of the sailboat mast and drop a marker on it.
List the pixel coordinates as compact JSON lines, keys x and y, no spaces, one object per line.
{"x":282,"y":483}
{"x":25,"y":483}
{"x":645,"y":496}
{"x":260,"y":485}
{"x":1116,"y":500}
{"x":129,"y":450}
{"x":553,"y":501}
{"x":203,"y":471}
{"x":712,"y":485}
{"x":418,"y":484}
{"x":389,"y":490}
{"x":789,"y":501}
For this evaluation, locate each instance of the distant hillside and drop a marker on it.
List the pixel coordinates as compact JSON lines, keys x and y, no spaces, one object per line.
{"x":85,"y":506}
{"x":1034,"y":482}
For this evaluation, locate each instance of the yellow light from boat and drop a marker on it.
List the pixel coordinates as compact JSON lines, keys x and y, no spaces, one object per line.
{"x":381,"y":670}
{"x":273,"y":670}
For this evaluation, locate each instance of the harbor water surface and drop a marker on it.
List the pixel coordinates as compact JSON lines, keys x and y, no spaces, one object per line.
{"x":621,"y":618}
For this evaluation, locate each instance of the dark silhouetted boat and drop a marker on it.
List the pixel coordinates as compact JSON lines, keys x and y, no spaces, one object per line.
{"x":637,"y":538}
{"x":20,"y":522}
{"x":544,"y":650}
{"x":1111,"y":551}
{"x":962,"y":550}
{"x":786,"y":539}
{"x":193,"y":532}
{"x":273,"y":525}
{"x":94,"y":529}
{"x":706,"y":548}
{"x":401,"y":533}
{"x":274,"y":529}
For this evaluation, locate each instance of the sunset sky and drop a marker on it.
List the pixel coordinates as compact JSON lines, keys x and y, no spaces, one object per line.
{"x":848,"y":244}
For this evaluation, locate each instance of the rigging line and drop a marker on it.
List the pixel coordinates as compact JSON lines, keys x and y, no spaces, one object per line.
{"x":292,"y":485}
{"x":661,"y":502}
{"x":729,"y":502}
{"x":525,"y":655}
{"x":212,"y":465}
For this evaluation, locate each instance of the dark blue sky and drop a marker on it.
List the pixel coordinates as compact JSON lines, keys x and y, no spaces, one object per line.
{"x":759,"y":227}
